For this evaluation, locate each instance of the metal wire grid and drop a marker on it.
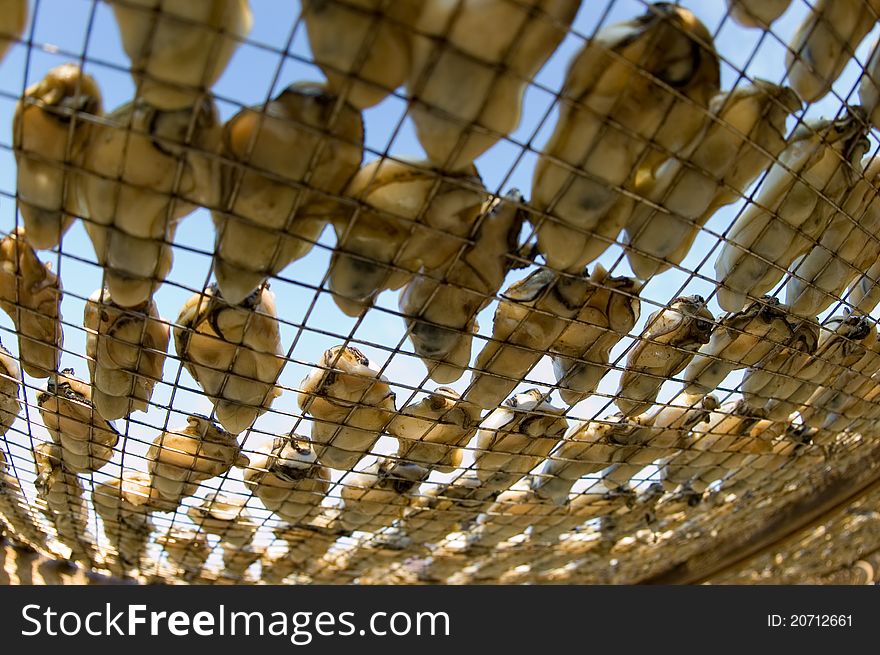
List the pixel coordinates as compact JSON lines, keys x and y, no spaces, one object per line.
{"x":628,"y":540}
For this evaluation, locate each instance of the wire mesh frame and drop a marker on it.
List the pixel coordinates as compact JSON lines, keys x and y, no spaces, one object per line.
{"x":362,"y":543}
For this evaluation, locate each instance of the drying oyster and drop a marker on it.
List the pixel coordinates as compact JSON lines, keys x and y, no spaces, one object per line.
{"x":282,"y":162}
{"x":617,"y":118}
{"x":723,"y":162}
{"x":125,"y":506}
{"x":788,"y":215}
{"x":181,"y":458}
{"x":374,"y":56}
{"x":86,"y":438}
{"x":411,"y":217}
{"x":350,"y":404}
{"x":667,"y":344}
{"x":529,"y":319}
{"x":179,"y":50}
{"x":126,"y":350}
{"x":515,"y":438}
{"x":226,"y":517}
{"x":440,"y":305}
{"x":581,"y":353}
{"x":288,"y":479}
{"x":144,"y":170}
{"x":30,"y":293}
{"x":10,"y":388}
{"x":430,"y":432}
{"x":467,"y":90}
{"x":374,"y":497}
{"x":233,"y":352}
{"x":50,"y":135}
{"x":61,"y":493}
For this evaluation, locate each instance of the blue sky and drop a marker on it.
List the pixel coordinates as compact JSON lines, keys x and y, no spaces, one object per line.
{"x":63,"y":30}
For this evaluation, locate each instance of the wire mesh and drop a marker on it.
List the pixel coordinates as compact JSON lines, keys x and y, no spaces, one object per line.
{"x":446,"y":291}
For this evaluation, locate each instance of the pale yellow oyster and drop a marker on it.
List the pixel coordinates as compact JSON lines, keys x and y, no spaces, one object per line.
{"x":861,"y":418}
{"x":431,"y":432}
{"x":30,"y":293}
{"x":781,"y":390}
{"x":788,"y":215}
{"x":238,"y":559}
{"x":589,"y":447}
{"x":10,"y":388}
{"x":445,"y":508}
{"x":374,"y":497}
{"x":14,"y":19}
{"x":847,"y":248}
{"x":15,"y":512}
{"x":467,"y":80}
{"x":125,"y":506}
{"x":61,"y":494}
{"x":581,"y":353}
{"x":306,"y":544}
{"x":825,"y":42}
{"x":515,"y":438}
{"x":126,"y":350}
{"x":186,"y":549}
{"x":869,"y":87}
{"x":756,"y":13}
{"x":722,"y":444}
{"x":531,"y":316}
{"x":408,"y":216}
{"x":618,"y":120}
{"x":287,"y":478}
{"x":350,"y":404}
{"x":666,"y":346}
{"x":233,"y":352}
{"x":178,"y":50}
{"x":720,"y":165}
{"x":662,"y":433}
{"x":181,"y":458}
{"x":440,"y":305}
{"x":224,"y":516}
{"x":837,"y":403}
{"x":50,"y":137}
{"x":864,"y":294}
{"x":144,"y":170}
{"x":362,"y":46}
{"x":86,"y":438}
{"x":741,"y":340}
{"x":284,"y":167}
